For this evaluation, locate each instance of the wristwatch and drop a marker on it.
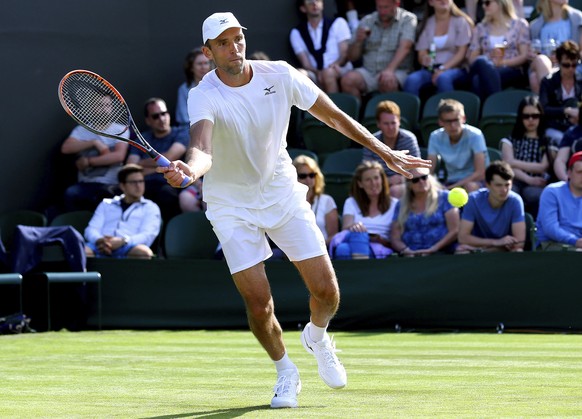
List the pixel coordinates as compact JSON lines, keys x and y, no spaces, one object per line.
{"x":442,"y":67}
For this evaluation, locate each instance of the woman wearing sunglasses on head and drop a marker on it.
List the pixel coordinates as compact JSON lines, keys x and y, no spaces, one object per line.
{"x":499,"y":49}
{"x":527,"y":153}
{"x":324,"y":207}
{"x":424,"y":220}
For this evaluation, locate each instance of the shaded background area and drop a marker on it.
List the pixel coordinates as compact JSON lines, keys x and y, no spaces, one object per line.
{"x":138,"y":45}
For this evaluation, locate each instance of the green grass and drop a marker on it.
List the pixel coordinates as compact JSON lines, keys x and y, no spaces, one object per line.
{"x":224,"y":374}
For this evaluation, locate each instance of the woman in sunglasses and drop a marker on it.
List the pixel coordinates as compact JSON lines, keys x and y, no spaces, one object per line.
{"x":561,"y":92}
{"x":324,"y":207}
{"x":526,"y":151}
{"x":367,"y":216}
{"x":424,"y":220}
{"x":499,"y":49}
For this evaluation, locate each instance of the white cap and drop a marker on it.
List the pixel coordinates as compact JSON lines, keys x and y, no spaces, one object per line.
{"x":217,"y":23}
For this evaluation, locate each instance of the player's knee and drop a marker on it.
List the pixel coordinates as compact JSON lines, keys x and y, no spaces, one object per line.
{"x":259,"y":309}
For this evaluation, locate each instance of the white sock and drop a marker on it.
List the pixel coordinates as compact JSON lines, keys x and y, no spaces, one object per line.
{"x":284,"y":363}
{"x":317,"y":333}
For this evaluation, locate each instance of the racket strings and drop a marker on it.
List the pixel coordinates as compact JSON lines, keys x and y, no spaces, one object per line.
{"x":95,"y":104}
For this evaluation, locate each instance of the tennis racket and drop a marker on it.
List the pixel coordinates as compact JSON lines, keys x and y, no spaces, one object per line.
{"x":95,"y":104}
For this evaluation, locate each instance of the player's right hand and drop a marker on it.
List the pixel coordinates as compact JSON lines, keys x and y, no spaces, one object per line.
{"x":175,"y":173}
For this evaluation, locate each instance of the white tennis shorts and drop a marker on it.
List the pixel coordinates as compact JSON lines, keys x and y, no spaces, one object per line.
{"x":289,"y":223}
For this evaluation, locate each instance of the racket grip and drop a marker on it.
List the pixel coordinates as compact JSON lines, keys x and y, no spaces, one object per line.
{"x":164,"y":162}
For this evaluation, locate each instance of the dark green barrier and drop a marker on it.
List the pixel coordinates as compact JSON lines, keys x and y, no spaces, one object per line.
{"x":528,"y":290}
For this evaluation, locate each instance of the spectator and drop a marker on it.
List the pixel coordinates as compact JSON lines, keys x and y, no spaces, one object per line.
{"x":526,"y":151}
{"x":369,"y":210}
{"x":493,"y":219}
{"x":324,"y":207}
{"x":196,"y":65}
{"x":424,"y":221}
{"x":321,"y":45}
{"x":127,"y":225}
{"x":557,"y":22}
{"x":395,"y":137}
{"x":475,"y":9}
{"x":571,"y":143}
{"x":98,"y":161}
{"x":383,"y":41}
{"x":191,"y":198}
{"x":170,"y":142}
{"x":461,"y":146}
{"x":560,"y":221}
{"x":499,"y":49}
{"x":448,"y":30}
{"x":561,"y":92}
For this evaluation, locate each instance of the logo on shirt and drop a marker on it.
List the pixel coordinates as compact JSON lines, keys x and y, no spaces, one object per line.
{"x":269,"y":91}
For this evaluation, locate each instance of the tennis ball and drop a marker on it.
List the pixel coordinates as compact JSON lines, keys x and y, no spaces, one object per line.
{"x":458,"y":197}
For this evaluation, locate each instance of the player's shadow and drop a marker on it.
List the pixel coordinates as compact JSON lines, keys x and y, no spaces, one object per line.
{"x":218,"y":413}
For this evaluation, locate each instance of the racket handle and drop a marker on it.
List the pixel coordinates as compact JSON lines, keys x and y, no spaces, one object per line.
{"x":164,"y":162}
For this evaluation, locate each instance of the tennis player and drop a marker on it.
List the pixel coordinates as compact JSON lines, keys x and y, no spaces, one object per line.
{"x":239,"y":114}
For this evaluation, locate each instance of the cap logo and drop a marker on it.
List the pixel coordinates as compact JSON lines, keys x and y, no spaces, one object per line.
{"x":223,"y":21}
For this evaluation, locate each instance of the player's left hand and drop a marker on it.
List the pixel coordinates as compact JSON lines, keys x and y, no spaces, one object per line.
{"x":401,"y":162}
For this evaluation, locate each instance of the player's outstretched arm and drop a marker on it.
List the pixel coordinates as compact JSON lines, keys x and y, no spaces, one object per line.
{"x":198,"y":156}
{"x":326,"y":111}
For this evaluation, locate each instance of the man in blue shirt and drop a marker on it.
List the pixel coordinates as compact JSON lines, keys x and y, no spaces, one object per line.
{"x":560,"y":215}
{"x":461,"y":146}
{"x":171,"y":142}
{"x":494,"y":218}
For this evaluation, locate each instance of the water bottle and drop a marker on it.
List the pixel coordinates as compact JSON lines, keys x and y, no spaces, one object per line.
{"x":431,"y":56}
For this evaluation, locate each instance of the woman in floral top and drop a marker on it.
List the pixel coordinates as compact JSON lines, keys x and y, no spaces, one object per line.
{"x":499,"y":49}
{"x":424,"y":220}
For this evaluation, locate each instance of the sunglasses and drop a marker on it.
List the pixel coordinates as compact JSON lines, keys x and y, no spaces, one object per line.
{"x":568,"y":65}
{"x":486,"y":3}
{"x":304,"y":176}
{"x":531,"y":116}
{"x":134,"y":182}
{"x":418,"y":179}
{"x":156,"y":116}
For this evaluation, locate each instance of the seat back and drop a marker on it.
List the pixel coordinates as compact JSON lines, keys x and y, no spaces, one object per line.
{"x":190,"y":236}
{"x":530,"y":232}
{"x":494,"y":154}
{"x":337,"y":185}
{"x":79,"y":220}
{"x":504,"y":102}
{"x":322,"y":139}
{"x":9,"y":221}
{"x":294,"y":152}
{"x":408,"y":103}
{"x":343,"y":161}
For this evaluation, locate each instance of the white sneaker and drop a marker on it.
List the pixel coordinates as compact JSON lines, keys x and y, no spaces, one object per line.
{"x":331,"y":370}
{"x":286,"y":390}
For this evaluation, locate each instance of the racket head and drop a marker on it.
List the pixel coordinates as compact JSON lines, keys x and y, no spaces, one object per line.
{"x":94,"y":103}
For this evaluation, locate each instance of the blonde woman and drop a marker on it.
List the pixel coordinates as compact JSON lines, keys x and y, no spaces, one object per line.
{"x":446,"y":28}
{"x":324,"y":207}
{"x":424,"y":221}
{"x":369,"y":209}
{"x":499,"y":49}
{"x":558,"y":22}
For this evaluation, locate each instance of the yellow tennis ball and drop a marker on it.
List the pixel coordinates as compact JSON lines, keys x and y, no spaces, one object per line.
{"x":458,"y":197}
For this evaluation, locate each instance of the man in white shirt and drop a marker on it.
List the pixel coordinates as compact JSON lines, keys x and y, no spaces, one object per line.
{"x":321,"y":46}
{"x":239,"y":114}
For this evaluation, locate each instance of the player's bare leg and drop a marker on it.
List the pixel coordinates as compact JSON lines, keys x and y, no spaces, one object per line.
{"x":255,"y":290}
{"x":321,"y":281}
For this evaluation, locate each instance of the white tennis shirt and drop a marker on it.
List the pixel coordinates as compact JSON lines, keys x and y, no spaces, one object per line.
{"x":250,"y":165}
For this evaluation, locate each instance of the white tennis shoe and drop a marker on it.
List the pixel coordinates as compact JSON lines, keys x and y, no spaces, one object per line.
{"x":331,"y":370}
{"x":286,"y":389}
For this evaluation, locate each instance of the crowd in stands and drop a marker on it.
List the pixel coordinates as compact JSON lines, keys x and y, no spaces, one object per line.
{"x":373,"y":47}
